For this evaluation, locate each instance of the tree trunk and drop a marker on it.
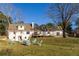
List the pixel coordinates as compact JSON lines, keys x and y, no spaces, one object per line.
{"x":64,"y":34}
{"x":64,"y":30}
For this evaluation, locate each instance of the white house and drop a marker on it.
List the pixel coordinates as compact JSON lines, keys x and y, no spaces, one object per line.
{"x":56,"y":32}
{"x":19,"y":32}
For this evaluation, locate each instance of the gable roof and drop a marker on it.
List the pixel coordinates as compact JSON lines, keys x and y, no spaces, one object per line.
{"x":55,"y":28}
{"x":13,"y":27}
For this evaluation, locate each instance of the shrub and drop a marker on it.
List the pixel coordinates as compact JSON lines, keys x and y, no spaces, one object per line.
{"x":34,"y":41}
{"x":10,"y":42}
{"x":40,"y":43}
{"x":37,"y":42}
{"x":26,"y":42}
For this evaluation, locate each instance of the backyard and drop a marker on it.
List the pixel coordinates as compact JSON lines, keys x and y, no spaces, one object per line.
{"x":51,"y":46}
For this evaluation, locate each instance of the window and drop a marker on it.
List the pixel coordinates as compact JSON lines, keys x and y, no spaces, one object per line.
{"x":20,"y":37}
{"x":58,"y":33}
{"x":13,"y":37}
{"x":28,"y":32}
{"x":16,"y":27}
{"x":35,"y":33}
{"x":48,"y":32}
{"x":25,"y":37}
{"x":14,"y":32}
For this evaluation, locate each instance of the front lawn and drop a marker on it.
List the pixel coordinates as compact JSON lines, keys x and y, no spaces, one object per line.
{"x":51,"y":47}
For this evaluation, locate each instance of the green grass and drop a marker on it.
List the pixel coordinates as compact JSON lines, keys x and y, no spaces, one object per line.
{"x":51,"y":47}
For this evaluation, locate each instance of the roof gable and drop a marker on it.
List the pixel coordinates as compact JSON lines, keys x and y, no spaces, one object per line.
{"x":13,"y":27}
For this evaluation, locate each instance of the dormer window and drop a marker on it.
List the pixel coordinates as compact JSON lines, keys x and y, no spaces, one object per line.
{"x":21,"y":26}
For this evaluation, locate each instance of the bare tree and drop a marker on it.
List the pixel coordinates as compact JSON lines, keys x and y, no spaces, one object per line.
{"x":77,"y":22}
{"x":63,"y":12}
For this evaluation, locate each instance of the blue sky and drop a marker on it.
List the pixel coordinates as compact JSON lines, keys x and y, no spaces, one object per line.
{"x":33,"y":12}
{"x":27,"y":12}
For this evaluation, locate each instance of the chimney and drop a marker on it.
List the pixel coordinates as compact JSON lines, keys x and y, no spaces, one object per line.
{"x":32,"y":25}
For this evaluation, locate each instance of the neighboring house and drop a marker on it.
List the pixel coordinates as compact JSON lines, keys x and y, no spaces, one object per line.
{"x":19,"y":32}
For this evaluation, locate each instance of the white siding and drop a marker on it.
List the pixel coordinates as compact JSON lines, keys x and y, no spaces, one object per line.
{"x":47,"y":34}
{"x":55,"y":33}
{"x":17,"y":34}
{"x":41,"y":33}
{"x":24,"y":34}
{"x":11,"y":35}
{"x":51,"y":33}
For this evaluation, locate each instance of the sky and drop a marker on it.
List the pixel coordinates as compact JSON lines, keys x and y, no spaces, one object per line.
{"x":30,"y":12}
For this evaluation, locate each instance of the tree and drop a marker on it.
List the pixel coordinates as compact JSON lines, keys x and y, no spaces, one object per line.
{"x":43,"y":27}
{"x":20,"y":22}
{"x":49,"y":26}
{"x":9,"y":19}
{"x":69,"y":28}
{"x":2,"y":29}
{"x":77,"y":22}
{"x":36,"y":26}
{"x":63,"y":13}
{"x":4,"y":22}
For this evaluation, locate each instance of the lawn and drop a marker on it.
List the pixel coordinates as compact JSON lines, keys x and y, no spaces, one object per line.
{"x":51,"y":47}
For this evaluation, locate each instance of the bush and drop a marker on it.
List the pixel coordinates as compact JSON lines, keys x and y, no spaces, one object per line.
{"x":37,"y":42}
{"x":40,"y":43}
{"x":26,"y":42}
{"x":10,"y":42}
{"x":34,"y":41}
